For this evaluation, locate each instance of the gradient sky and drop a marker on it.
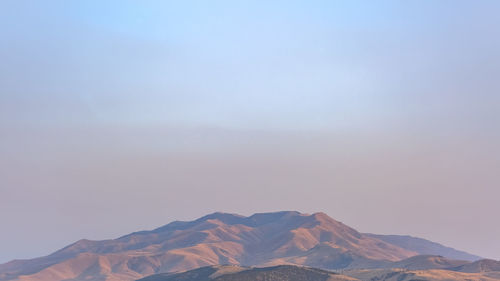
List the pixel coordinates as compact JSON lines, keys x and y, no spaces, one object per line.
{"x":117,"y":116}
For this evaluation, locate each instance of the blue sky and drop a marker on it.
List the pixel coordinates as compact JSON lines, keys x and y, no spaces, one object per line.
{"x":386,"y":99}
{"x":244,"y":64}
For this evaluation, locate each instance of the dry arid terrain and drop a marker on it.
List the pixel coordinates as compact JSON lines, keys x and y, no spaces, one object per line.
{"x":413,"y":275}
{"x":262,"y":240}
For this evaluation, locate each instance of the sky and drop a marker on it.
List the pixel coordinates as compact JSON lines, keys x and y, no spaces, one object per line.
{"x":119,"y":116}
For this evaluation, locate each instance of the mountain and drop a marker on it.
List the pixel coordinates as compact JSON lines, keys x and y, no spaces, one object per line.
{"x":485,"y":265}
{"x":236,"y":273}
{"x":424,"y":247}
{"x":264,"y":239}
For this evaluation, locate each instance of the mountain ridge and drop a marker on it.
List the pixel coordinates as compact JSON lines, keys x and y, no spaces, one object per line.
{"x":262,"y":239}
{"x":424,"y":246}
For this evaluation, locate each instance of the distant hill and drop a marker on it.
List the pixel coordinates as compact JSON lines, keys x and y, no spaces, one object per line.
{"x":299,"y":273}
{"x":479,"y":266}
{"x":235,"y":273}
{"x":427,"y":262}
{"x":265,"y":239}
{"x":425,"y":247}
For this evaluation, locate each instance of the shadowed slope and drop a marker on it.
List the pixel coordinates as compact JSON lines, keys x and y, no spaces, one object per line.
{"x":232,"y":273}
{"x":299,"y":273}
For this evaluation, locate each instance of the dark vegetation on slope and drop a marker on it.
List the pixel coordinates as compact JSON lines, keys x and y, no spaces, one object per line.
{"x":276,"y":273}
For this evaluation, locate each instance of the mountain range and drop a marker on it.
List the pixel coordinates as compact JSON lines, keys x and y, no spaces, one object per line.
{"x":264,"y":240}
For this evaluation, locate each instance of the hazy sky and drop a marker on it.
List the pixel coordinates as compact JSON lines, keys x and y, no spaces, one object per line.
{"x":118,"y":116}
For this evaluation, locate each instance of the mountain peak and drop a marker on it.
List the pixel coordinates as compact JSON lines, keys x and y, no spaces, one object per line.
{"x":253,"y":220}
{"x":227,"y":218}
{"x":320,"y":216}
